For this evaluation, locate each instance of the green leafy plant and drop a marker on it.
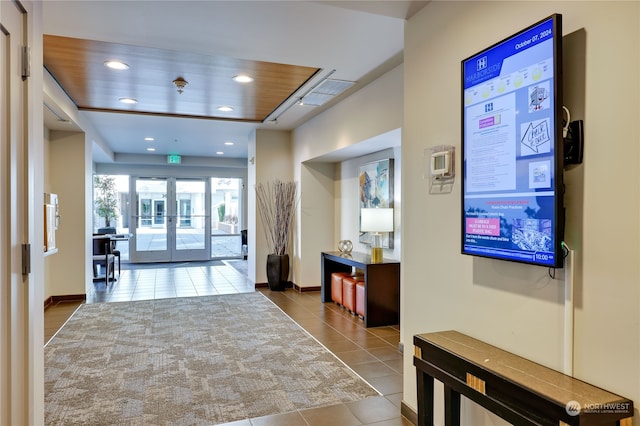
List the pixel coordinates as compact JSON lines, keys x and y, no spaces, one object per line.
{"x":106,"y":198}
{"x":221,"y":210}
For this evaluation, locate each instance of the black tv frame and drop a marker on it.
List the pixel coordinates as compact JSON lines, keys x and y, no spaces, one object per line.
{"x":558,"y":219}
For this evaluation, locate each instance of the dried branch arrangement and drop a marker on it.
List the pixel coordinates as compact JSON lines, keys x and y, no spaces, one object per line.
{"x":277,"y":204}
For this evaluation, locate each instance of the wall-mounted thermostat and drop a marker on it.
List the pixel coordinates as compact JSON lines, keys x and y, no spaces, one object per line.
{"x":442,"y":162}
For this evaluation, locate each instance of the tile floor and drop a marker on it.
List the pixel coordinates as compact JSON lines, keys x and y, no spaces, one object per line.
{"x":203,"y":279}
{"x":371,"y":352}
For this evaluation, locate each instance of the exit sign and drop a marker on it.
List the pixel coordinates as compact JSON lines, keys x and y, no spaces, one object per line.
{"x":174,"y":159}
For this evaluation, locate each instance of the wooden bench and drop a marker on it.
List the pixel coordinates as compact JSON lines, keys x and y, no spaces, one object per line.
{"x":514,"y":388}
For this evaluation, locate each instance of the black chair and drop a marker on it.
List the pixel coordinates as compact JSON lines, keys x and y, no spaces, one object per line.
{"x":103,"y":256}
{"x":243,"y":235}
{"x":114,"y":251}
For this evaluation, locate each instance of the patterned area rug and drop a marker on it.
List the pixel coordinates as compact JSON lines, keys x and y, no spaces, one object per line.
{"x":183,"y":361}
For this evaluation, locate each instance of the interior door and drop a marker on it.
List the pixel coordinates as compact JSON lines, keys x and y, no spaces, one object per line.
{"x":20,"y":301}
{"x":169,"y":218}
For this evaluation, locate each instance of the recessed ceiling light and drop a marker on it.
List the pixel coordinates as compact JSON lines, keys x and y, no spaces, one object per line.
{"x":116,"y":65}
{"x":219,"y":153}
{"x":228,"y":143}
{"x":128,"y":100}
{"x":151,"y":149}
{"x":225,"y":108}
{"x":149,"y":138}
{"x":242,"y":78}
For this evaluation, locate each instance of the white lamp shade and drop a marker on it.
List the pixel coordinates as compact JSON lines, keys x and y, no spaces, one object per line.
{"x":376,"y":220}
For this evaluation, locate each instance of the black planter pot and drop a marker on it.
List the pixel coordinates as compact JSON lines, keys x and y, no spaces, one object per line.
{"x":277,"y":271}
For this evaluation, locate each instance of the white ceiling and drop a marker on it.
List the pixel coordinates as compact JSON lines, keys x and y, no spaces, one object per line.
{"x":358,"y":39}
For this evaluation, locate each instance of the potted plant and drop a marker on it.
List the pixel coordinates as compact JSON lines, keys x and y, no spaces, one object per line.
{"x":221,"y":211}
{"x":277,"y":202}
{"x":106,"y":199}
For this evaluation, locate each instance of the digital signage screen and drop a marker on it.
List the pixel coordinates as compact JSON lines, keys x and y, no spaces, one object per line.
{"x":512,"y":195}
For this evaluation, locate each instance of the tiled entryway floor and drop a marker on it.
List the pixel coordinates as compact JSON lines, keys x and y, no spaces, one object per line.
{"x":371,"y":352}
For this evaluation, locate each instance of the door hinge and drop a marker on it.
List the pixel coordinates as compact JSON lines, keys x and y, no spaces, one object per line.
{"x":26,"y":62}
{"x":26,"y":259}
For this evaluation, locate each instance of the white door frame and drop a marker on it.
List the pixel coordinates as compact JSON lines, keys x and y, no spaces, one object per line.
{"x":170,"y":223}
{"x":21,"y":217}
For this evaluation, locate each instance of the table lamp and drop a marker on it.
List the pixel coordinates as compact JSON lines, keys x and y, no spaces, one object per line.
{"x":376,"y":220}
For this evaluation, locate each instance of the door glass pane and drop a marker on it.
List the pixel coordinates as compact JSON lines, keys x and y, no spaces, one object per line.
{"x":158,"y":212}
{"x":191,"y":215}
{"x":226,"y":217}
{"x":145,"y":212}
{"x":151,"y":223}
{"x":184,"y":213}
{"x":111,"y":200}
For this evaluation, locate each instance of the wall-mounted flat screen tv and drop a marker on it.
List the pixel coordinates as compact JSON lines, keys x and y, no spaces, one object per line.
{"x":512,"y":193}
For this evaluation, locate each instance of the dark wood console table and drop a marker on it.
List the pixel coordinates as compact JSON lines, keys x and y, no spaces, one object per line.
{"x":514,"y":388}
{"x":381,"y":288}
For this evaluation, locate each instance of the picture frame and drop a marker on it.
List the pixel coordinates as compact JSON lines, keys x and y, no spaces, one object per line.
{"x":375,"y":180}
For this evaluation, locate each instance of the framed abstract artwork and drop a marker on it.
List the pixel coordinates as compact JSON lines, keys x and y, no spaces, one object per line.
{"x":376,"y":190}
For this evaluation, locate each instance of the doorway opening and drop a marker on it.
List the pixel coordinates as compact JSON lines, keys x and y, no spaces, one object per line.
{"x":174,"y":219}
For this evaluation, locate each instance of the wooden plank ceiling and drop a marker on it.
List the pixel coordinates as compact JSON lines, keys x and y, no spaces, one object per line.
{"x":78,"y":66}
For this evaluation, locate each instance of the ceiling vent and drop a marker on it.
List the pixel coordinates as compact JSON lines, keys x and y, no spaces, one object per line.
{"x":326,"y":91}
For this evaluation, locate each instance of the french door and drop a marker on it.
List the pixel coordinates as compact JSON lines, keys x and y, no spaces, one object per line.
{"x":170,"y":219}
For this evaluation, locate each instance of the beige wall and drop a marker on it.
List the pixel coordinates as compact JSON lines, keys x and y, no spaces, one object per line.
{"x":69,"y":165}
{"x":348,"y":224}
{"x":48,"y":290}
{"x":514,"y":306}
{"x":271,"y":150}
{"x":519,"y":307}
{"x":374,"y":110}
{"x":315,"y":221}
{"x":329,"y":211}
{"x":353,"y":125}
{"x":69,"y":176}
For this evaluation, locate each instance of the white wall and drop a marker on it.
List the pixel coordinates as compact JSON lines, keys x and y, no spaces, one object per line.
{"x":518,"y":307}
{"x":170,"y":170}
